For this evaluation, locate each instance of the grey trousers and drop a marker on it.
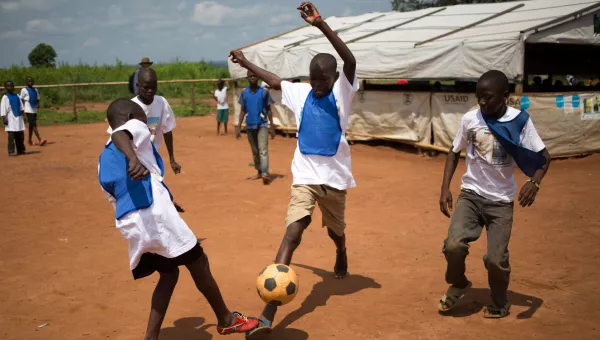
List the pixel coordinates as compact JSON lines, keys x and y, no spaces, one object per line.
{"x":259,"y":143}
{"x":16,"y":139}
{"x":471,"y":213}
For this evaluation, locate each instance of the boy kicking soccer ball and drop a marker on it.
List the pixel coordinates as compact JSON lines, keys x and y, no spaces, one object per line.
{"x":322,"y":166}
{"x":131,"y":173}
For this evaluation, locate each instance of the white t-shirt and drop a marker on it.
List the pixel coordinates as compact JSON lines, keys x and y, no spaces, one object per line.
{"x":333,"y":171}
{"x":25,"y":97}
{"x":490,"y":168}
{"x":221,"y":96}
{"x":14,"y":123}
{"x":161,"y":118}
{"x":157,"y":229}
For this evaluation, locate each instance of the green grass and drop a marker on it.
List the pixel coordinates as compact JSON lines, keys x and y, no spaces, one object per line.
{"x":70,"y":74}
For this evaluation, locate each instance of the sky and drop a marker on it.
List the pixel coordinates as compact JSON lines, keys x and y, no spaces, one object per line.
{"x":100,"y":32}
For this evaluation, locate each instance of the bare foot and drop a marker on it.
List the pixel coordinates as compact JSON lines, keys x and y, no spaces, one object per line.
{"x":341,"y":264}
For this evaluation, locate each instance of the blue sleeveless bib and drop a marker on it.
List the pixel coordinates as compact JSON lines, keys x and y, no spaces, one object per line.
{"x":15,"y":104}
{"x":254,"y":104}
{"x":508,"y":135}
{"x":320,"y":131}
{"x":130,"y":195}
{"x":33,"y":97}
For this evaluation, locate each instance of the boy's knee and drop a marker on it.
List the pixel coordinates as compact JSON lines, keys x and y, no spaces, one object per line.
{"x":293,"y":234}
{"x":496,"y":262}
{"x":452,"y":246}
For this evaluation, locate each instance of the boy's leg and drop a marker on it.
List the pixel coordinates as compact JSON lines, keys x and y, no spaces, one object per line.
{"x":333,"y":207}
{"x":206,"y":284}
{"x":11,"y":142}
{"x":253,"y":140}
{"x":465,"y":227}
{"x":160,"y":301}
{"x":225,"y":119}
{"x":498,"y":218}
{"x":302,"y":204}
{"x":20,"y":142}
{"x":228,"y":322}
{"x":263,"y":152}
{"x":31,"y":127}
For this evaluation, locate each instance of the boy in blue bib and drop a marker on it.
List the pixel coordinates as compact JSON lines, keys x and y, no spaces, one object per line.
{"x":130,"y":172}
{"x":496,"y":137}
{"x":256,"y":107}
{"x":30,"y":96}
{"x":11,"y":110}
{"x":322,"y":163}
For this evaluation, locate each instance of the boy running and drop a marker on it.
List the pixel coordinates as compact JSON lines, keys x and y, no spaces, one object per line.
{"x":161,"y":119}
{"x":322,"y":165}
{"x":11,"y":111}
{"x":131,"y":173}
{"x":256,"y":104}
{"x":220,"y":95}
{"x":30,"y":97}
{"x":496,"y":137}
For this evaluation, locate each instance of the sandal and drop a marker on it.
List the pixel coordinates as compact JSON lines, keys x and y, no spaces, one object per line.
{"x":43,"y":142}
{"x":242,"y":324}
{"x":262,"y":331}
{"x":452,"y":296}
{"x":493,"y":312}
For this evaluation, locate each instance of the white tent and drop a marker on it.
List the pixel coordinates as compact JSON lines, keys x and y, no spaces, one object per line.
{"x":455,"y":42}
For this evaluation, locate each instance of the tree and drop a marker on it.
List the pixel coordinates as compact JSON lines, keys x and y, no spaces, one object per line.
{"x":42,"y":56}
{"x":413,"y":5}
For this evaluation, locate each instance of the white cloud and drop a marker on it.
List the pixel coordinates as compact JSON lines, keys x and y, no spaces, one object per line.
{"x":210,"y":13}
{"x":115,"y":16}
{"x":91,"y":42}
{"x":16,"y":35}
{"x":282,"y":18}
{"x":182,"y":5}
{"x":10,"y":5}
{"x":39,"y":26}
{"x":347,"y":12}
{"x":157,"y":24}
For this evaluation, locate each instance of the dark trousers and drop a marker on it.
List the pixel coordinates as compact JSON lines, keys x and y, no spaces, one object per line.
{"x":16,"y":138}
{"x":471,"y":213}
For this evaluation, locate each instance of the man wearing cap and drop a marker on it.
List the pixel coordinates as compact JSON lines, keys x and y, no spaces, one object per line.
{"x":133,"y":80}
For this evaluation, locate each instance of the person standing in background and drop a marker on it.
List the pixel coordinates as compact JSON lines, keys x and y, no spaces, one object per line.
{"x":220,"y":95}
{"x":30,"y":97}
{"x":133,"y":79}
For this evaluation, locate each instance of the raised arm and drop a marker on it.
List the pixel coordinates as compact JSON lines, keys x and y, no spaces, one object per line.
{"x":309,"y":13}
{"x":238,"y":57}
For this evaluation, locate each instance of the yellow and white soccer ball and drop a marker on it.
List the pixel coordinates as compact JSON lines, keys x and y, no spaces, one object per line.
{"x":277,"y":284}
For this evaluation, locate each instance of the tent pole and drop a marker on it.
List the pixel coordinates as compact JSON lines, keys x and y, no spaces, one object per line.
{"x":394,"y":26}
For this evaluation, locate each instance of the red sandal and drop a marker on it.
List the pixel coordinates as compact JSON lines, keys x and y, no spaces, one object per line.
{"x":242,"y":324}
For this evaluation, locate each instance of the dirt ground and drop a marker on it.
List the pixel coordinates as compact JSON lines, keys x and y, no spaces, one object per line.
{"x":63,"y":263}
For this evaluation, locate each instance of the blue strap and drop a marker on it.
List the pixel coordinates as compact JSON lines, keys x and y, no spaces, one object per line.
{"x":15,"y":103}
{"x":33,"y":97}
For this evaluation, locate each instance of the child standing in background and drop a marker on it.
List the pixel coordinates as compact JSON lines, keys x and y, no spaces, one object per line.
{"x":11,"y":111}
{"x":30,"y":97}
{"x":222,"y":107}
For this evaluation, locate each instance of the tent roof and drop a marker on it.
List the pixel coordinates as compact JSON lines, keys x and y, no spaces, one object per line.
{"x":442,"y":42}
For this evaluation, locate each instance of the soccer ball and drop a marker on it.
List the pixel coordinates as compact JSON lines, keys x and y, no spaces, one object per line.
{"x":277,"y":284}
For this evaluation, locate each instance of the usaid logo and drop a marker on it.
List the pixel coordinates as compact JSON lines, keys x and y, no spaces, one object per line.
{"x":456,"y":98}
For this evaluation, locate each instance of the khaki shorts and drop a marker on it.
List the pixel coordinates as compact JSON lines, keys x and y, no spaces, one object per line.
{"x":332,"y":203}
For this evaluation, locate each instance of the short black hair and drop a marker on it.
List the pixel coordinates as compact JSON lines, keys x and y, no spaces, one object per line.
{"x":8,"y":81}
{"x":325,"y":62}
{"x":118,"y":112}
{"x":147,"y":73}
{"x":498,"y":79}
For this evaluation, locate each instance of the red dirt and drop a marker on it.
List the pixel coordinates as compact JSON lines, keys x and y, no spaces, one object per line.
{"x":63,"y":263}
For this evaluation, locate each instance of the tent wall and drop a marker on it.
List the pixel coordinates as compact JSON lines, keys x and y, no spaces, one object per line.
{"x":569,"y":124}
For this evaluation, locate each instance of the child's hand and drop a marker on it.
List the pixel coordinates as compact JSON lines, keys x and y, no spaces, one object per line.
{"x":5,"y":120}
{"x":178,"y":207}
{"x":528,"y":193}
{"x":273,"y":133}
{"x":446,"y":202}
{"x":238,"y":132}
{"x":176,"y":167}
{"x":309,"y":12}
{"x":137,"y":170}
{"x":238,"y":57}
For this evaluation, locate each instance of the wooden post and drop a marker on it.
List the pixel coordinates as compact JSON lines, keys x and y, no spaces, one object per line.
{"x":519,"y":89}
{"x":193,"y":98}
{"x":74,"y":100}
